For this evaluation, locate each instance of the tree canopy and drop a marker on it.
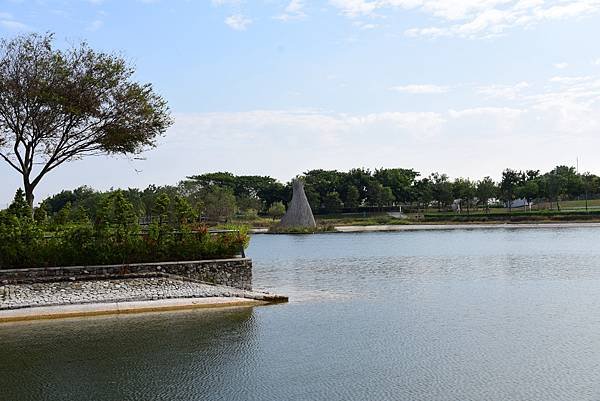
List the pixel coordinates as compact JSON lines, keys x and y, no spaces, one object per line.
{"x":58,"y":105}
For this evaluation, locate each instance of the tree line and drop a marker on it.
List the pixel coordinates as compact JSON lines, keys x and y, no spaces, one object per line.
{"x":219,"y":196}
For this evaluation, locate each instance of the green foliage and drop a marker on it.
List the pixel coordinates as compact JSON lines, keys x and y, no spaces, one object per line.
{"x":20,"y":240}
{"x":277,"y":210}
{"x":251,"y":192}
{"x":465,"y":190}
{"x":218,"y":197}
{"x":248,"y":214}
{"x":378,"y":195}
{"x":64,"y":215}
{"x":79,"y":196}
{"x":40,"y":215}
{"x":352,"y":199}
{"x":313,"y":197}
{"x":486,"y":189}
{"x":528,"y":190}
{"x":114,"y":238}
{"x":332,"y":202}
{"x":276,"y":229}
{"x":441,"y":189}
{"x":510,"y":180}
{"x":161,"y":207}
{"x":399,"y":180}
{"x":184,"y":213}
{"x":516,"y":216}
{"x":19,"y":206}
{"x":423,"y":192}
{"x":245,"y":203}
{"x":219,"y":203}
{"x":359,"y":219}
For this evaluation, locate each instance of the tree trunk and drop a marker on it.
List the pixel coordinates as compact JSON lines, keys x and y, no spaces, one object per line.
{"x":28,"y":188}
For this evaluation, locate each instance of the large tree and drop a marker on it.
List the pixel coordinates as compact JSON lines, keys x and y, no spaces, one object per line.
{"x":465,"y":190}
{"x":441,"y":189}
{"x":486,"y":189}
{"x":423,"y":192}
{"x":508,"y":184}
{"x":58,"y":105}
{"x":399,"y":180}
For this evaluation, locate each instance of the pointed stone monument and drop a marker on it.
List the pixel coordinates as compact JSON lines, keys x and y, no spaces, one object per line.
{"x":298,"y":213}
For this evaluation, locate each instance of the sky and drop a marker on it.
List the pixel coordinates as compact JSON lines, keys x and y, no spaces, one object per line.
{"x":279,"y":87}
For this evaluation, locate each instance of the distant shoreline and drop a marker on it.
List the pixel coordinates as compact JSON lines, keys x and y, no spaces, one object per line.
{"x":460,"y":226}
{"x":448,"y":226}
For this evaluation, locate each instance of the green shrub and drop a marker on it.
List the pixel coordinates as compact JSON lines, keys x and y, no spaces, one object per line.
{"x":114,"y":238}
{"x":276,"y":229}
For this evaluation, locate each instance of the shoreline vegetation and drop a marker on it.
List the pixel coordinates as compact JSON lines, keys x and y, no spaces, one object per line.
{"x":354,"y":198}
{"x":357,"y":227}
{"x":437,"y":227}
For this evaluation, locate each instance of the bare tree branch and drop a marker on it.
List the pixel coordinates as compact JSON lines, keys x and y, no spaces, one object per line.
{"x":11,"y":163}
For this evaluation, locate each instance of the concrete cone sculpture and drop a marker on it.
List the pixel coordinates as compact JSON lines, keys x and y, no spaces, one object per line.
{"x":298,"y":213}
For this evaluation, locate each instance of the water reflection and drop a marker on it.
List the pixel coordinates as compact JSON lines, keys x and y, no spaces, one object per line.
{"x":154,"y":356}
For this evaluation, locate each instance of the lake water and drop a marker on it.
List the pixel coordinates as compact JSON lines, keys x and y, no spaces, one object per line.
{"x":502,"y":314}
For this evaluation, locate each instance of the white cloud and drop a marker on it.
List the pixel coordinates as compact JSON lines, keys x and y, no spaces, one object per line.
{"x":509,"y":92}
{"x":95,"y":25}
{"x":473,"y":18}
{"x":368,"y":26}
{"x":294,"y":10}
{"x":365,"y":25}
{"x":596,"y":62}
{"x":14,"y":25}
{"x":567,"y":106}
{"x":430,"y":31}
{"x":568,"y":9}
{"x":354,"y":8}
{"x":7,"y":21}
{"x":310,"y":128}
{"x":569,"y":80}
{"x":571,"y":110}
{"x":320,"y":139}
{"x":238,"y":22}
{"x":420,"y":89}
{"x":502,"y":112}
{"x":225,"y":2}
{"x":561,"y":66}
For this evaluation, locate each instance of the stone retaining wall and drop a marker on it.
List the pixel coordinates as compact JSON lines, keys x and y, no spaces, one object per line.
{"x":235,"y":273}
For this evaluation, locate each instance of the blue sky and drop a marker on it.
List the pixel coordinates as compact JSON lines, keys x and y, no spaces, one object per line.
{"x":466,"y":87}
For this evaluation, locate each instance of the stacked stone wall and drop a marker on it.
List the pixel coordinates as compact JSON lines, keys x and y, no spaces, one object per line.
{"x":236,"y":273}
